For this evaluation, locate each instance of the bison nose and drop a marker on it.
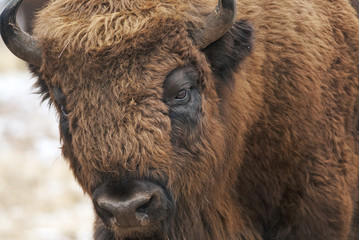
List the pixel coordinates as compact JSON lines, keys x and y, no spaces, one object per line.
{"x":131,"y":205}
{"x":128,"y":212}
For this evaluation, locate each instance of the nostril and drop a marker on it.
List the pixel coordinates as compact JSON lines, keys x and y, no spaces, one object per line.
{"x":104,"y":210}
{"x":144,"y":207}
{"x":142,"y":212}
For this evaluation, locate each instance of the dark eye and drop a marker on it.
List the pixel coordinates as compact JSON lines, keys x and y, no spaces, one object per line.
{"x":63,"y":111}
{"x":182,"y":95}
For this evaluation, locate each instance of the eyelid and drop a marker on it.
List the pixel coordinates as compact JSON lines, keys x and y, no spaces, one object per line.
{"x":181,"y":78}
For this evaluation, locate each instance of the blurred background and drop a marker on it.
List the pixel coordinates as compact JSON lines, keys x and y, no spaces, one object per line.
{"x":39,"y":198}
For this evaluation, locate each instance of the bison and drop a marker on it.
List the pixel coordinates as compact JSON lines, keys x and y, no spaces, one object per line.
{"x":184,"y":122}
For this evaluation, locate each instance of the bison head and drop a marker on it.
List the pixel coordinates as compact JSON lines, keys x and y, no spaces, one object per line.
{"x":142,"y":88}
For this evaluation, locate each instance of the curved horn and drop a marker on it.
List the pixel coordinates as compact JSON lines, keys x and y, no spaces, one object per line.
{"x":217,"y":23}
{"x":20,"y":43}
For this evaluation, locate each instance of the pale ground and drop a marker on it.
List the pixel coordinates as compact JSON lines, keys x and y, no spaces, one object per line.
{"x":39,"y":198}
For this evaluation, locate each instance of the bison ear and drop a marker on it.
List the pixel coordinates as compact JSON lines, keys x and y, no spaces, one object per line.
{"x":226,"y":54}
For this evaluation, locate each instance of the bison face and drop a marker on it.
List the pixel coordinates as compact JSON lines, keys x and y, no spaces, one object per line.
{"x":144,"y":145}
{"x":138,"y":91}
{"x":143,"y":149}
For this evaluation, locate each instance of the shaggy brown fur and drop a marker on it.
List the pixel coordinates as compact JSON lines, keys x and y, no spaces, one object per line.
{"x":271,"y":153}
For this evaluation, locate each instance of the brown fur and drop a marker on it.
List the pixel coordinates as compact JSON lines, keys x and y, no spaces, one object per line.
{"x":273,"y":155}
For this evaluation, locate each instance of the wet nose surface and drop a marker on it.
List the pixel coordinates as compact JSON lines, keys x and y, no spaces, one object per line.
{"x":132,"y":204}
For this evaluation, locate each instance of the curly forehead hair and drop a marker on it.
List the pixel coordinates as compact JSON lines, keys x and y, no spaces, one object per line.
{"x":92,"y":25}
